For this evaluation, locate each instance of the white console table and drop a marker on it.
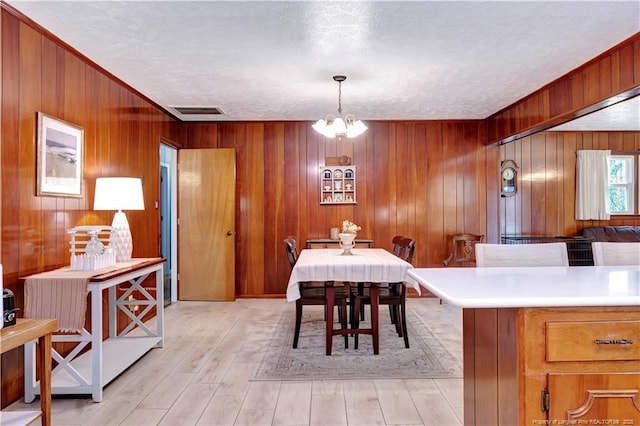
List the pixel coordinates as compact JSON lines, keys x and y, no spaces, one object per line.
{"x":88,"y":372}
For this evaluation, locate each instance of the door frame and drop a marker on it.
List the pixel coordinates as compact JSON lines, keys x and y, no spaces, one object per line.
{"x":172,"y":165}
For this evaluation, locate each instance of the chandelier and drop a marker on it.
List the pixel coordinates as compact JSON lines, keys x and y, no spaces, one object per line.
{"x":333,"y":126}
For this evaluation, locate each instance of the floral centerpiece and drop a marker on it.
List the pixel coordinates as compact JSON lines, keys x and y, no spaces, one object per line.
{"x":348,"y":235}
{"x":349,"y":227}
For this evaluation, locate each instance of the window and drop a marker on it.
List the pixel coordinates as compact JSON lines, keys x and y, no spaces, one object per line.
{"x":623,"y":184}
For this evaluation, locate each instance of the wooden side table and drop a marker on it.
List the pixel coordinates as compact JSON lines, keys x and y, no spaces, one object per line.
{"x":329,"y":243}
{"x":23,"y":332}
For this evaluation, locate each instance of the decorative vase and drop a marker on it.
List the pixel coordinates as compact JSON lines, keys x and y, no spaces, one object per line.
{"x":346,"y":242}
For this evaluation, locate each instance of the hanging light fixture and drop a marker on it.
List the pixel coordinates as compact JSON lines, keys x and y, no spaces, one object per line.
{"x":333,"y":126}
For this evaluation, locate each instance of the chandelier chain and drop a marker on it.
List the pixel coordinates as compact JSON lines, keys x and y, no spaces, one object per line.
{"x":340,"y":98}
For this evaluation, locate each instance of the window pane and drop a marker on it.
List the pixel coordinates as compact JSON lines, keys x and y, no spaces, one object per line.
{"x":620,"y":169}
{"x":618,"y":199}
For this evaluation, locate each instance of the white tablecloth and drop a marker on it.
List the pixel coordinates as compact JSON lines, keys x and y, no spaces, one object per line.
{"x":364,"y":265}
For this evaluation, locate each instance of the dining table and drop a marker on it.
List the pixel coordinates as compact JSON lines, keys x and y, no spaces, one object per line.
{"x":375,"y":266}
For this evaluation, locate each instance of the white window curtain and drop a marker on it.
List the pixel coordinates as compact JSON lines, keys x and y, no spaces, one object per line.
{"x":592,"y":185}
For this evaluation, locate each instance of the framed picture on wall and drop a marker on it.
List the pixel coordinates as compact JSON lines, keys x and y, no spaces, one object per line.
{"x":59,"y":158}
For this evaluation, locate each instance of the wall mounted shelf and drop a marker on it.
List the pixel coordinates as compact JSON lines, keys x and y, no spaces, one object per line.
{"x":338,"y":184}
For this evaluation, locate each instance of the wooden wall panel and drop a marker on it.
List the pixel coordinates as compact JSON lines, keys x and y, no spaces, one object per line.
{"x":545,"y":202}
{"x":615,"y":72}
{"x":422,"y":179}
{"x":122,"y":136}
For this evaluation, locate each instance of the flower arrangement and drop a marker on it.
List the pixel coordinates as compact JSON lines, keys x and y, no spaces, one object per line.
{"x":349,"y":227}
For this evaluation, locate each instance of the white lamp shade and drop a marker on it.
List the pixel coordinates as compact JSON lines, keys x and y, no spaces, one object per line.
{"x":356,"y":129}
{"x":339,"y":127}
{"x":118,"y":193}
{"x":320,"y":126}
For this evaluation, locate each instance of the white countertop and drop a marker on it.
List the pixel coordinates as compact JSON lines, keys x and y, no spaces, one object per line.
{"x":533,"y":287}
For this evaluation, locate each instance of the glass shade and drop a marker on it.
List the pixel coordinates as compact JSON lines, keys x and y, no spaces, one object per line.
{"x":356,"y":129}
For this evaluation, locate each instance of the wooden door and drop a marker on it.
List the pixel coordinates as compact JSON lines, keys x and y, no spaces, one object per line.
{"x":206,"y":224}
{"x":593,"y":398}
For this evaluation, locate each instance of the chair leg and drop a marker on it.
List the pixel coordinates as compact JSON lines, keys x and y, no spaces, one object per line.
{"x":392,"y":314}
{"x":403,"y":315}
{"x":361,"y":293}
{"x":343,"y":308}
{"x":398,"y":320}
{"x":298,"y":322}
{"x":352,"y":308}
{"x":375,"y":293}
{"x":356,"y":321}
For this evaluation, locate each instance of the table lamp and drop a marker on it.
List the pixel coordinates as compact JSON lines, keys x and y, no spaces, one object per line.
{"x":119,"y":193}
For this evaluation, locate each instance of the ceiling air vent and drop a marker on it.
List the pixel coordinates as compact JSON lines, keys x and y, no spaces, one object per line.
{"x":199,"y":110}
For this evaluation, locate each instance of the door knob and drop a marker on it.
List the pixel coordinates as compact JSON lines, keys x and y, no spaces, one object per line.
{"x":229,"y":233}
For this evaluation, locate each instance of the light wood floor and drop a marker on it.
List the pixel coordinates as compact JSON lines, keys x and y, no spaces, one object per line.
{"x":202,"y":377}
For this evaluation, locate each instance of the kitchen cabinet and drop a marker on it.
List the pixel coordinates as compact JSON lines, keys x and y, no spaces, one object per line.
{"x":583,"y":365}
{"x":595,"y":398}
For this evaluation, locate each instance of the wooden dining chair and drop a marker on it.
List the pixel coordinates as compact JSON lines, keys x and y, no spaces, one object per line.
{"x":314,"y":293}
{"x":463,"y":250}
{"x":541,"y":254}
{"x":394,"y":295}
{"x":615,"y":253}
{"x":403,"y":247}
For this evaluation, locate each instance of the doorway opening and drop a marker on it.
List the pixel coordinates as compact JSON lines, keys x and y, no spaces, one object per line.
{"x":169,"y":220}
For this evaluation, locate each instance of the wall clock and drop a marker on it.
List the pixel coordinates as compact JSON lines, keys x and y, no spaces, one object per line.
{"x":508,"y":178}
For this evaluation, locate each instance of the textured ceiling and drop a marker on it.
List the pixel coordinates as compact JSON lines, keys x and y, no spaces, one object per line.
{"x":621,"y":116}
{"x":274,"y":60}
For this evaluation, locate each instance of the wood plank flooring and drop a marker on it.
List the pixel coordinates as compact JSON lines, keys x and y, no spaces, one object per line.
{"x":202,"y":377}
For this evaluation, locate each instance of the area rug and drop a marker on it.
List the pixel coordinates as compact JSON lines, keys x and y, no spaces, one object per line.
{"x":427,"y":358}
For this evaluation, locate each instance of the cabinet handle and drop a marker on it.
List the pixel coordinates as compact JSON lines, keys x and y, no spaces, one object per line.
{"x":613,"y":342}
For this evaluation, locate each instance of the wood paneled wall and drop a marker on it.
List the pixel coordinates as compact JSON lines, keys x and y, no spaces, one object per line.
{"x":421,"y":179}
{"x":545,"y":202}
{"x":122,"y":134}
{"x":615,"y":72}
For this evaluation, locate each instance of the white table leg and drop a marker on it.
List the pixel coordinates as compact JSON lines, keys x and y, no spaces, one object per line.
{"x":96,"y":344}
{"x":112,"y":312}
{"x":160,"y":306}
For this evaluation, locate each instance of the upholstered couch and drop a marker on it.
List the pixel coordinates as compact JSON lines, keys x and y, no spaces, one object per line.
{"x":611,"y":233}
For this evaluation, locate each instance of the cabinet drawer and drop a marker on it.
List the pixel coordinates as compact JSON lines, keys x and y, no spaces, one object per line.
{"x":592,"y":340}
